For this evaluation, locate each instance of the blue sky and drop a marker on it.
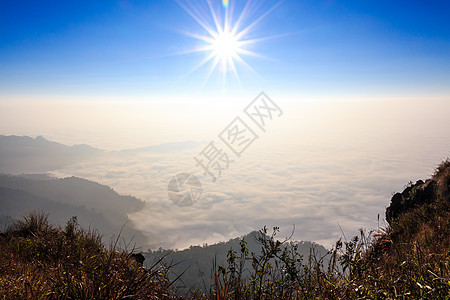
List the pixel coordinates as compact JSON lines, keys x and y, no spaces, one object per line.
{"x":353,"y":78}
{"x":131,"y":49}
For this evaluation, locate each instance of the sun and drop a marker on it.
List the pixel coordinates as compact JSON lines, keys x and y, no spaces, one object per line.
{"x":225,"y":45}
{"x":225,"y":37}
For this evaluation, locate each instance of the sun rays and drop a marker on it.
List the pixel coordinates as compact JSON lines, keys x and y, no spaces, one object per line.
{"x":224,"y":35}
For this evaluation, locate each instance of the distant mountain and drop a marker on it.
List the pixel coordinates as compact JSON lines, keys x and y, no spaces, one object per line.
{"x":166,"y":147}
{"x":197,"y":261}
{"x":95,"y":205}
{"x":75,"y":191}
{"x":22,"y":154}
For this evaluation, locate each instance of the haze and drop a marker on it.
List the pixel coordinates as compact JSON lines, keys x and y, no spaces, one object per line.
{"x":363,"y":88}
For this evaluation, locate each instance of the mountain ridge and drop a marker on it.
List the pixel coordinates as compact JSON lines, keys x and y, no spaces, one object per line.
{"x":24,"y":154}
{"x":94,"y":203}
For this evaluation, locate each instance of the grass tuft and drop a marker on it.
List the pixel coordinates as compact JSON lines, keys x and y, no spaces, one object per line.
{"x":41,"y":261}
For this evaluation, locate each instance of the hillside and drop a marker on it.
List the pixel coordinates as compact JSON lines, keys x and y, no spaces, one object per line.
{"x":14,"y":203}
{"x":408,"y":259}
{"x":196,"y":263}
{"x":95,"y":205}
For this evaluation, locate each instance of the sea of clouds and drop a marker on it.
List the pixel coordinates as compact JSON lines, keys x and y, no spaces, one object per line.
{"x":328,"y":172}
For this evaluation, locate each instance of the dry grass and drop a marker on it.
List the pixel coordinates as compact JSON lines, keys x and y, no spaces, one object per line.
{"x":40,"y":261}
{"x":409,"y":259}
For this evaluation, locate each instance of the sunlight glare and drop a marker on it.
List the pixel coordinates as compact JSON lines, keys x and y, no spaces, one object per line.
{"x":225,"y":45}
{"x":226,"y":38}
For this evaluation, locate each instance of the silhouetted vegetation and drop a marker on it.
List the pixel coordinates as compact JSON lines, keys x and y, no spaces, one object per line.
{"x":196,"y":262}
{"x":409,"y":259}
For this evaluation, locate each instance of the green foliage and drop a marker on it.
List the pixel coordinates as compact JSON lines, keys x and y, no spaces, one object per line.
{"x":275,"y":272}
{"x":196,"y":263}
